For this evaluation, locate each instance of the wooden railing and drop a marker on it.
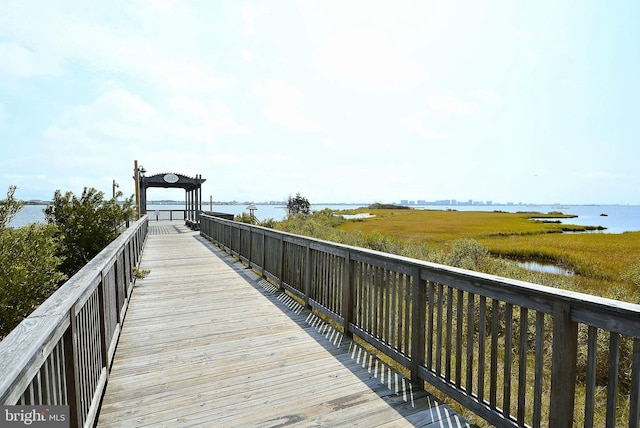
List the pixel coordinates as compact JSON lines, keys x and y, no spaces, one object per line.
{"x":171,"y":215}
{"x":510,"y":351}
{"x":62,"y":353}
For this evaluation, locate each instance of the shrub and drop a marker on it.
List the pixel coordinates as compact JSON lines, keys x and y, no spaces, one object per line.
{"x":28,"y":265}
{"x":86,"y":225}
{"x":469,"y":254}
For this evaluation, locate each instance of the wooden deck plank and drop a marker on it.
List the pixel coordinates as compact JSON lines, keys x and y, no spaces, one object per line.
{"x":207,"y":343}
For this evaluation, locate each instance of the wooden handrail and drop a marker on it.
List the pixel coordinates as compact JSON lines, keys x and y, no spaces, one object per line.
{"x":493,"y":344}
{"x":61,"y":354}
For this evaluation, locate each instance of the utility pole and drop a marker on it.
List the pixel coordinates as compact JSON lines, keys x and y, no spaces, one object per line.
{"x":113,"y":187}
{"x":136,"y":177}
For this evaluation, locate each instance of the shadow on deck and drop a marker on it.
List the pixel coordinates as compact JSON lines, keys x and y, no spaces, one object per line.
{"x":208,"y":342}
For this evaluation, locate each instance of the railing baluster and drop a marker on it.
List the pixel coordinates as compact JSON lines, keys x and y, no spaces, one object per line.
{"x":459,"y":326}
{"x":449,"y":335}
{"x":482,"y":339}
{"x":470,"y":341}
{"x":407,"y":314}
{"x":522,"y":364}
{"x":393,"y":313}
{"x":375,"y":302}
{"x":430,"y":343}
{"x":439,"y":326}
{"x":634,"y":407}
{"x":592,"y":350}
{"x":612,"y":386}
{"x":493,"y":372}
{"x":399,"y":319}
{"x":508,"y":357}
{"x":387,"y":307}
{"x":539,"y":367}
{"x":366,"y":288}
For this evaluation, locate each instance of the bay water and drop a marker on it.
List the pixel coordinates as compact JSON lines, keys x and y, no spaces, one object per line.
{"x":615,"y":218}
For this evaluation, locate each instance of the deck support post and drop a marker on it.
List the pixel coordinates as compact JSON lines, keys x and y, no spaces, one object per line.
{"x":264,"y":250}
{"x":418,"y":324}
{"x":307,"y":275}
{"x":347,"y":294}
{"x":102,"y":317}
{"x":71,"y":371}
{"x":281,"y":262}
{"x":563,"y":367}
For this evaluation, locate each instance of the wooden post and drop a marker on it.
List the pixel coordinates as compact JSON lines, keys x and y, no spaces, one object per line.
{"x":634,"y":407}
{"x":102,"y":319}
{"x":307,"y":275}
{"x":262,"y":267}
{"x":281,"y":273}
{"x":137,"y":187}
{"x":563,"y":367}
{"x":250,"y":255}
{"x":418,"y":324}
{"x":71,"y":372}
{"x":347,"y":294}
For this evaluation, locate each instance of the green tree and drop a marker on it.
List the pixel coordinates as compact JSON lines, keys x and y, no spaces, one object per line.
{"x":246,"y":218}
{"x":298,"y":204}
{"x":9,"y":207}
{"x":29,"y":265}
{"x":86,"y":225}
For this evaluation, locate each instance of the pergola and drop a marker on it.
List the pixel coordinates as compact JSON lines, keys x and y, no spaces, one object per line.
{"x":192,"y":189}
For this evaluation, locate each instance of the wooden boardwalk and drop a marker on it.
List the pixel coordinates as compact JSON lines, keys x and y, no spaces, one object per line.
{"x":206,"y":342}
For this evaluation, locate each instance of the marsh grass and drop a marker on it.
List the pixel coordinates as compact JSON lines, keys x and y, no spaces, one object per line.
{"x":605,"y":265}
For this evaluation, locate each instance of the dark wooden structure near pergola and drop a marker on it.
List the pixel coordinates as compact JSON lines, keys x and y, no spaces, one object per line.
{"x":192,"y":190}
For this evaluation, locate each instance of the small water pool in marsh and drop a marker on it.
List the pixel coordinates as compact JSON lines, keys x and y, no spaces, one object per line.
{"x":538,"y":266}
{"x":356,"y":216}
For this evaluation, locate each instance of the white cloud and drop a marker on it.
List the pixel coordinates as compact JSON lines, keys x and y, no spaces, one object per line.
{"x":88,"y":137}
{"x":449,"y":104}
{"x":125,"y":125}
{"x":135,"y":46}
{"x":248,"y":56}
{"x":249,"y":14}
{"x":284,"y":106}
{"x":487,"y":96}
{"x":369,"y":46}
{"x":165,"y":6}
{"x":116,"y":105}
{"x":415,"y":126}
{"x":330,"y":144}
{"x":361,"y":63}
{"x":18,"y":61}
{"x":210,"y":116}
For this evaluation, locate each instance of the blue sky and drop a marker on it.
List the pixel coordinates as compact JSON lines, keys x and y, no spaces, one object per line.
{"x":357,"y":101}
